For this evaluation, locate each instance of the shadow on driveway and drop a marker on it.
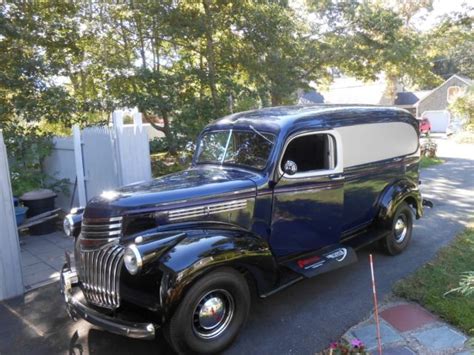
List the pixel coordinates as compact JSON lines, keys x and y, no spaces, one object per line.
{"x":302,"y":319}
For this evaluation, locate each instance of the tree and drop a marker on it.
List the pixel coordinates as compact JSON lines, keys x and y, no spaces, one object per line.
{"x":27,"y":66}
{"x":373,"y":38}
{"x":185,"y":63}
{"x":464,"y":105}
{"x":279,"y":53}
{"x":449,"y":46}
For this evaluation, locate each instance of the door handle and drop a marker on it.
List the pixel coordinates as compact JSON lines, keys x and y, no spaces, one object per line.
{"x":336,"y":177}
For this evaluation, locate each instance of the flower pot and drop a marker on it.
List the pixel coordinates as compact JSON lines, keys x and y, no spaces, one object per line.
{"x":40,"y":201}
{"x":20,"y":213}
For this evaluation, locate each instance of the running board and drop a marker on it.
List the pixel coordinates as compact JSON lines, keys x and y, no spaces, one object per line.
{"x":327,"y":259}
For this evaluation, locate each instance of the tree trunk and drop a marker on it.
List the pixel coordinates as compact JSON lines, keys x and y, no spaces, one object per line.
{"x":390,"y":93}
{"x":169,"y":136}
{"x":141,"y":40}
{"x":276,"y":99}
{"x":210,"y":54}
{"x":166,"y":129}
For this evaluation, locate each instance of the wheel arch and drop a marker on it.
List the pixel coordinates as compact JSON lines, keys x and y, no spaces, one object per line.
{"x":393,"y":195}
{"x":194,"y":258}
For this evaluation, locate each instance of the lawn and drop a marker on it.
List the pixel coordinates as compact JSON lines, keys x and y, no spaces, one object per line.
{"x":429,"y":284}
{"x":426,"y":162}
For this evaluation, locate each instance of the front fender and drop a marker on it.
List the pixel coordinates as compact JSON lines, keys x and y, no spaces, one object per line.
{"x":208,"y":249}
{"x":393,"y":195}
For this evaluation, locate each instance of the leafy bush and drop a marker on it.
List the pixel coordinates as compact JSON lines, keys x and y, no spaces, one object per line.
{"x":158,"y":145}
{"x":27,"y":147}
{"x":466,"y":284}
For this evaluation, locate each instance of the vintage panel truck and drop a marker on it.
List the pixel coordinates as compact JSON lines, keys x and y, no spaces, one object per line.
{"x":273,"y":196}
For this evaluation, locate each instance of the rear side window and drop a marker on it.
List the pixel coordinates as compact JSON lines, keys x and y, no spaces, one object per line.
{"x":311,"y":152}
{"x":368,"y":143}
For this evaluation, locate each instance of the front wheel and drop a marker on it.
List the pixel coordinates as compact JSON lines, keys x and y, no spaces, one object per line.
{"x":211,"y":313}
{"x":400,"y":234}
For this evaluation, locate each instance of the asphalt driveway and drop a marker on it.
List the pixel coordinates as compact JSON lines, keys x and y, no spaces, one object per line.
{"x":302,"y":319}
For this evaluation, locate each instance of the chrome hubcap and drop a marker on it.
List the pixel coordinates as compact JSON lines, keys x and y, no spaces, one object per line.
{"x":401,"y":229}
{"x":213,"y":314}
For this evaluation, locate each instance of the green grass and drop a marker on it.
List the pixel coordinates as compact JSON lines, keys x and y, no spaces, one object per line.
{"x":429,"y":284}
{"x":427,"y":162}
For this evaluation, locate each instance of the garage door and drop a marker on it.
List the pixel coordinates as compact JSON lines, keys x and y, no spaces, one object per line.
{"x":439,"y":120}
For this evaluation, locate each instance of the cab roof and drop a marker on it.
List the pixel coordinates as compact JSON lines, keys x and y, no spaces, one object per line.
{"x":284,"y":118}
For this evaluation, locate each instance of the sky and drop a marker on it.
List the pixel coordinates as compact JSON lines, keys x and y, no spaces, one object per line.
{"x":426,"y":20}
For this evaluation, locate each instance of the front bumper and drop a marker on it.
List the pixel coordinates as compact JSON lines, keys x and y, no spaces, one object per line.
{"x":77,"y":308}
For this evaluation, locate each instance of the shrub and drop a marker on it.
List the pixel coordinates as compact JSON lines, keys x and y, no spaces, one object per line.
{"x":27,"y":147}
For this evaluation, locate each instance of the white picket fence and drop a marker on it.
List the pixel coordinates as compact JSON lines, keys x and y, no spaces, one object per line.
{"x":11,"y":280}
{"x":101,"y":158}
{"x":61,"y":165}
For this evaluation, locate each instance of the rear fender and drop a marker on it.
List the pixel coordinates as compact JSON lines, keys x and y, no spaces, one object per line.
{"x":401,"y":191}
{"x":202,"y":251}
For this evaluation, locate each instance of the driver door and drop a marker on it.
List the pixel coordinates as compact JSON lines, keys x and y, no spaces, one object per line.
{"x":308,"y":206}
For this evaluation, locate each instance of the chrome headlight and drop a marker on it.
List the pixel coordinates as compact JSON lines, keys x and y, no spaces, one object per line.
{"x":132,"y":259}
{"x":68,"y":225}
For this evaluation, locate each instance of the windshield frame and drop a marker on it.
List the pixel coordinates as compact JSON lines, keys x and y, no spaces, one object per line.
{"x":233,"y":165}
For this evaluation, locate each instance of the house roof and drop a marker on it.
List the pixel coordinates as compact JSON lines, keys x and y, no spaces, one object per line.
{"x":408,"y":98}
{"x":346,"y":90}
{"x":467,"y":80}
{"x":311,"y":97}
{"x":464,"y":79}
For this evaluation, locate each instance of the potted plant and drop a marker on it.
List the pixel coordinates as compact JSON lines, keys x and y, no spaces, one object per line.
{"x":20,"y":211}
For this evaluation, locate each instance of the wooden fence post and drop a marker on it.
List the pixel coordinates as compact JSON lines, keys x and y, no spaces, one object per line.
{"x":81,"y":183}
{"x":11,"y":278}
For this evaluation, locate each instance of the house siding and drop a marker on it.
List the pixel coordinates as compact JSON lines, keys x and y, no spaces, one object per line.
{"x":438,"y":98}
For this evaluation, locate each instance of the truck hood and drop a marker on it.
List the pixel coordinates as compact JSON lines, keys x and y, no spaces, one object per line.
{"x":185,"y":187}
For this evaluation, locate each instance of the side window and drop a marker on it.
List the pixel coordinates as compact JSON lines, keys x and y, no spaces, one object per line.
{"x":312,"y":152}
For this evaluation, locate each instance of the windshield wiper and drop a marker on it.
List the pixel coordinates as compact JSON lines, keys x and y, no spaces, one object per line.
{"x":260,"y":134}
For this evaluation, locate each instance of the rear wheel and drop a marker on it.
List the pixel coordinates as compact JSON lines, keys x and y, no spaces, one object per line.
{"x":211,"y":313}
{"x":402,"y":225}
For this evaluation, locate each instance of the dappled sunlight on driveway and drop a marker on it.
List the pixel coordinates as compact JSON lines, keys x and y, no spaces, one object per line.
{"x":307,"y":316}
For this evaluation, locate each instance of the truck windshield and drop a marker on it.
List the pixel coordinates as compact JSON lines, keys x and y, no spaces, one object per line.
{"x":249,"y":149}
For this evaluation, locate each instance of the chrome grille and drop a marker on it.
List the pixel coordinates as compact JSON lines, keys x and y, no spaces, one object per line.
{"x":100,"y":275}
{"x":101,"y":259}
{"x":101,"y":227}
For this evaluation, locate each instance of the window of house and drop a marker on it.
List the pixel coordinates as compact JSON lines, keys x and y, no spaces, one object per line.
{"x":453,"y":93}
{"x":311,"y":152}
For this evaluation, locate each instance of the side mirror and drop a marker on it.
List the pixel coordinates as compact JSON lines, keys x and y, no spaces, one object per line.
{"x":290,"y":167}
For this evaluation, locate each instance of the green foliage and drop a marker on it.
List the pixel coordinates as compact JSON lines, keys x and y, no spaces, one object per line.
{"x":373,"y":38}
{"x":430,"y":284}
{"x":27,"y":90}
{"x":466,"y":284}
{"x":450,"y":44}
{"x":184,"y":64}
{"x":464,"y":105}
{"x":426,"y":162}
{"x":27,"y":148}
{"x":158,"y":145}
{"x":165,"y":163}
